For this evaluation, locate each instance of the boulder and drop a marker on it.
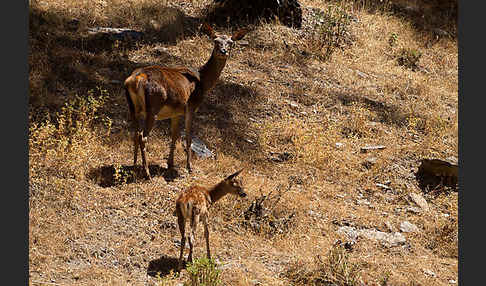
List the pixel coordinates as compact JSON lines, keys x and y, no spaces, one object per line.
{"x":288,"y":12}
{"x":407,"y":226}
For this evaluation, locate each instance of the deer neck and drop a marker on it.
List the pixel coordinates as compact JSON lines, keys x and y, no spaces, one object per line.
{"x":217,"y":192}
{"x":210,"y":72}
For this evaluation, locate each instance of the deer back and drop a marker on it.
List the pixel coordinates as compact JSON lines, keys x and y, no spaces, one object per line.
{"x":195,"y":197}
{"x":153,"y":87}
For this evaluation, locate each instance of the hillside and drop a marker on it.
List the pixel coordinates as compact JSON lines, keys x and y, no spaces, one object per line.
{"x":294,"y":107}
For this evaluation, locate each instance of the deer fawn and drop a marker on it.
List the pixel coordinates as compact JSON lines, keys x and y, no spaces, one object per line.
{"x":192,"y":205}
{"x":157,"y":93}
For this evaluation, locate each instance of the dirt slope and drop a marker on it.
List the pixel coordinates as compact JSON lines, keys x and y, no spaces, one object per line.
{"x":293,"y":116}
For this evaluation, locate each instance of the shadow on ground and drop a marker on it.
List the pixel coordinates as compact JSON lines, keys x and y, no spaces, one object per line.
{"x":66,"y":59}
{"x":387,"y":114}
{"x":162,"y":266}
{"x":109,"y":176}
{"x":225,"y":114}
{"x":423,"y":15}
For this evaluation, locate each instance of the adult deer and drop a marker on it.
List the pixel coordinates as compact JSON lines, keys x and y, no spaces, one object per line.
{"x":158,"y":92}
{"x":192,"y":205}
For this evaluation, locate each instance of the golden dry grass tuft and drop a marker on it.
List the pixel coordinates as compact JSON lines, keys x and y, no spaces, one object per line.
{"x":336,"y":269}
{"x":292,"y":115}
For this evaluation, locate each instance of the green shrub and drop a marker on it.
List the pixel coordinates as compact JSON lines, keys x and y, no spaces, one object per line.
{"x":331,"y":30}
{"x":70,"y":126}
{"x":65,"y":137}
{"x":341,"y":270}
{"x":409,"y":58}
{"x":203,"y":272}
{"x":335,"y":270}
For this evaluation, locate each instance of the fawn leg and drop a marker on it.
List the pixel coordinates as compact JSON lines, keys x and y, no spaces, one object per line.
{"x":206,"y":235}
{"x":182,"y":227}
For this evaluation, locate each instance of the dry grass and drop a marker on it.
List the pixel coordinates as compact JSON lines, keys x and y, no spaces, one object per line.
{"x":279,"y":109}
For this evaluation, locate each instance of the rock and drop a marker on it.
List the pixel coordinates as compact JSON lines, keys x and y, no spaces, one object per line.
{"x":116,"y":33}
{"x":389,"y":226}
{"x":369,"y":148}
{"x":289,"y":12}
{"x":389,"y":239}
{"x":339,"y":145}
{"x":438,"y":168}
{"x":414,"y":210}
{"x":406,"y":226}
{"x":197,"y":146}
{"x":385,"y":187}
{"x":419,"y":200}
{"x":429,"y":272}
{"x":350,"y":232}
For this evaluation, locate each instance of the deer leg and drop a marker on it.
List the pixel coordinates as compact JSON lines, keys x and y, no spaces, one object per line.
{"x":192,"y":236}
{"x":206,"y":235}
{"x":135,"y":147}
{"x":149,"y":123}
{"x":174,"y":132}
{"x":143,"y":144}
{"x":136,"y":140}
{"x":188,"y":123}
{"x":182,"y":229}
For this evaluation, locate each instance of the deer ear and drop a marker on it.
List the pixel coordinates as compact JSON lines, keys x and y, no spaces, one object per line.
{"x":239,"y":34}
{"x":234,"y":175}
{"x":206,"y":29}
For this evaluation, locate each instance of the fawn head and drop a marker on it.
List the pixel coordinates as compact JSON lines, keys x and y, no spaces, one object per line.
{"x":223,"y":43}
{"x":234,"y":185}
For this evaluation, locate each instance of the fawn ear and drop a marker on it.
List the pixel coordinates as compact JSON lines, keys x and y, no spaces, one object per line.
{"x":206,"y":29}
{"x":234,"y":175}
{"x":239,"y":34}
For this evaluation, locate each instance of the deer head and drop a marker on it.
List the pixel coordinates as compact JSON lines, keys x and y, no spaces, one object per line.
{"x":234,"y":185}
{"x":223,"y":43}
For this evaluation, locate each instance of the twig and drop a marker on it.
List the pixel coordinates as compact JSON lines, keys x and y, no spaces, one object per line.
{"x":280,"y":196}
